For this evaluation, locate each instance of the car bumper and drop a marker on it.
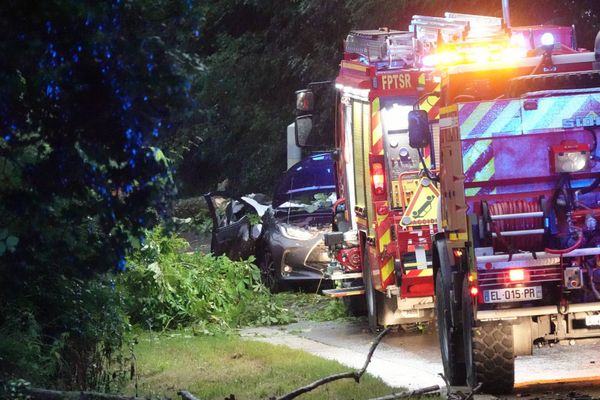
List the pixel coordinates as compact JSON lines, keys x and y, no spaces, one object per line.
{"x":305,"y":262}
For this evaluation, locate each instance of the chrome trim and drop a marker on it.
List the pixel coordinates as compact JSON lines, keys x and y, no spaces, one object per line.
{"x":534,"y":311}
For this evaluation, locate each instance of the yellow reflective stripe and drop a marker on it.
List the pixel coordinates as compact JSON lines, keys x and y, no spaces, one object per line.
{"x":353,"y":66}
{"x":476,"y":116}
{"x":474,"y":152}
{"x":426,"y":272}
{"x":486,"y":173}
{"x":377,"y":130}
{"x":384,"y":240}
{"x":387,"y":270}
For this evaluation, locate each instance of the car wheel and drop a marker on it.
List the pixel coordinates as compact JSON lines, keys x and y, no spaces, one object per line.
{"x":269,"y":273}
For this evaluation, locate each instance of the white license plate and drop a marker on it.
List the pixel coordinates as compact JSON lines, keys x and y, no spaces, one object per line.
{"x":592,"y":320}
{"x":512,"y":294}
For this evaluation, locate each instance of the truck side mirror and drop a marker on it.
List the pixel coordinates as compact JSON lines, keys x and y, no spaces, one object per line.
{"x":303,"y":127}
{"x":305,"y":100}
{"x":418,"y":129}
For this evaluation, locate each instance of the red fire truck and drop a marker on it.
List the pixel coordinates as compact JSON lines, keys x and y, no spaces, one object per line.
{"x":501,"y":216}
{"x":386,"y":212}
{"x":516,"y":259}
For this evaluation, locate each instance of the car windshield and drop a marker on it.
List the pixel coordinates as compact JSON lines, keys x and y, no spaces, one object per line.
{"x":308,"y":185}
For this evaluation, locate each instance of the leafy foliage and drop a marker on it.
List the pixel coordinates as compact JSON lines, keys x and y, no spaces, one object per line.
{"x":74,"y":340}
{"x":167,"y":288}
{"x":89,"y":91}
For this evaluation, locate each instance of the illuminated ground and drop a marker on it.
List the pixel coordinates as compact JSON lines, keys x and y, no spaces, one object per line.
{"x":413,"y":361}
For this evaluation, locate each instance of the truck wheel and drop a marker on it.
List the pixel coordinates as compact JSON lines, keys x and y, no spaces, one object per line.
{"x":450,"y":338}
{"x":370,"y":293}
{"x":489,"y":354}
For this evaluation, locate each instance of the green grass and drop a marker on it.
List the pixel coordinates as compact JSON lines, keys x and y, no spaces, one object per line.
{"x":311,"y":306}
{"x":213,"y":367}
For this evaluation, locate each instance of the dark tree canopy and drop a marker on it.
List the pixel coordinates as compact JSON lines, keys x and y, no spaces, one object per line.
{"x":88,"y":90}
{"x":257,"y":53}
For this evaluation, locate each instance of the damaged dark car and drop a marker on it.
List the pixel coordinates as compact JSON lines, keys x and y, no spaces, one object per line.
{"x":285,"y":236}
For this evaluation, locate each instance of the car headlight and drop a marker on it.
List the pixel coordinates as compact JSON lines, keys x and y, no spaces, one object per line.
{"x":293,"y":232}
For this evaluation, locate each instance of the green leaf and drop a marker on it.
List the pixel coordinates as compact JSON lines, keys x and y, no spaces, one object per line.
{"x":12,"y":241}
{"x":2,"y":248}
{"x":3,"y":234}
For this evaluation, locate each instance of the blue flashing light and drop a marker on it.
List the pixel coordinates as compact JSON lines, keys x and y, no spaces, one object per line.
{"x":547,"y":39}
{"x":7,"y":137}
{"x":122,"y":265}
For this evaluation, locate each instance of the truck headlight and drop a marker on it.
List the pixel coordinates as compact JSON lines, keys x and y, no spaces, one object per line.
{"x":571,"y":157}
{"x":293,"y":232}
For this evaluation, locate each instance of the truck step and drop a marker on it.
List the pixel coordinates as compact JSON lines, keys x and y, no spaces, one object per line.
{"x":340,"y":276}
{"x":343,"y":292}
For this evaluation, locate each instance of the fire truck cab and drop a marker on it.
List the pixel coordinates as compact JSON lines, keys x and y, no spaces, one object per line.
{"x":386,"y":212}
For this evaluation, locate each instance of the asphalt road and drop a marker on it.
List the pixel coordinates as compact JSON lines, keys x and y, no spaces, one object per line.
{"x":413,"y":361}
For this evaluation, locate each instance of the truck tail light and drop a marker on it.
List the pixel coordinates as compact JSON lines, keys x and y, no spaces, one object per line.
{"x":516,"y":275}
{"x":473,"y":289}
{"x":378,"y":178}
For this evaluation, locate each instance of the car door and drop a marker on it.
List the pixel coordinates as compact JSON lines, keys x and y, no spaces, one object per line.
{"x":231,"y":225}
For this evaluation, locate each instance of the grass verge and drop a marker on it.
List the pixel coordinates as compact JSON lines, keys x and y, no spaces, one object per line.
{"x":213,"y":367}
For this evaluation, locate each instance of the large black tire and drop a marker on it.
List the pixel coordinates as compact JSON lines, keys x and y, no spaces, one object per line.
{"x":269,"y":273}
{"x":370,"y":293}
{"x":489,"y":354}
{"x":450,"y":337}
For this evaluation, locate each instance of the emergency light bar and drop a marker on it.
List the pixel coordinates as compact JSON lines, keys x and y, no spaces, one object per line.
{"x":386,"y":46}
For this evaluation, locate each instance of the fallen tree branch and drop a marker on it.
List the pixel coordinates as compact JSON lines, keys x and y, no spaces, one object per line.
{"x":185,"y":395}
{"x":416,"y":392}
{"x":46,"y":394}
{"x":459,"y":395}
{"x":356,"y":375}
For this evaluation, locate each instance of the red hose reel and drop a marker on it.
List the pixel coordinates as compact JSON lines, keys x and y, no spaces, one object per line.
{"x":515,"y":225}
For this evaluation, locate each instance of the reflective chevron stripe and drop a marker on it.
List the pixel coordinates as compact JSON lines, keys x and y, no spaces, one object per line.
{"x":377,"y":129}
{"x":415,"y":273}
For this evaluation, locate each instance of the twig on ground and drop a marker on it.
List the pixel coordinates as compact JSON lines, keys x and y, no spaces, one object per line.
{"x":473,"y":392}
{"x":446,"y":382}
{"x":459,"y":395}
{"x":356,"y":375}
{"x":402,"y":395}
